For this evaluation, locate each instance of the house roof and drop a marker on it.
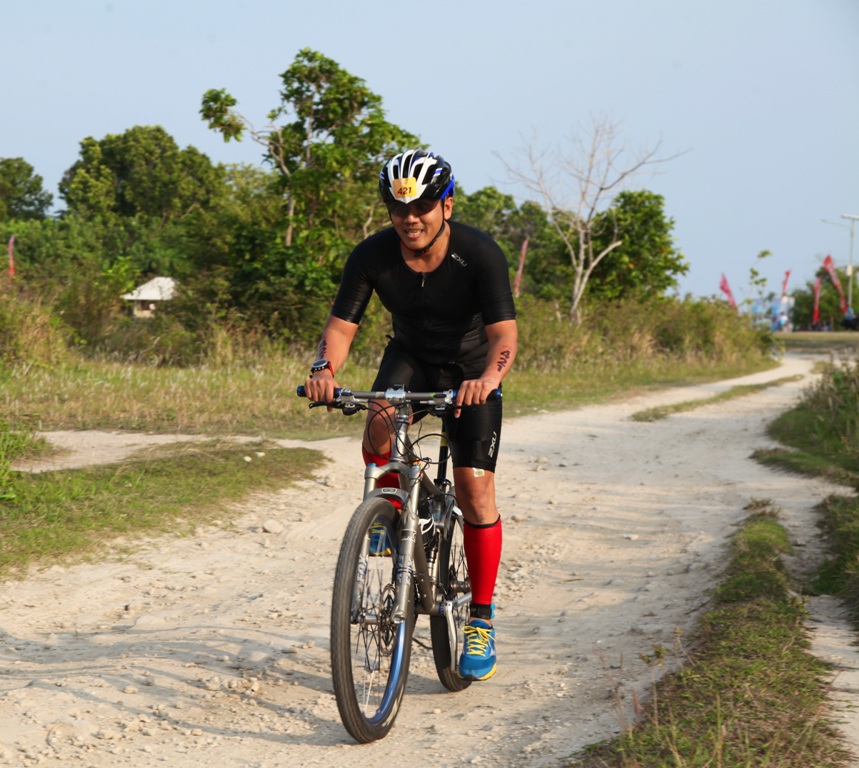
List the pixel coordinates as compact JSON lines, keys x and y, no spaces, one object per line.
{"x":157,"y":289}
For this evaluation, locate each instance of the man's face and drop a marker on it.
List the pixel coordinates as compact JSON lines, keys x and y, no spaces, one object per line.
{"x":418,"y":222}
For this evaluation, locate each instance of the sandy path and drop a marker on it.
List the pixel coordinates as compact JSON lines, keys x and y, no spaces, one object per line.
{"x":214,"y":648}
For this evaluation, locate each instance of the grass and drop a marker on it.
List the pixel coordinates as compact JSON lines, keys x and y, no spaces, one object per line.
{"x":749,"y":694}
{"x":53,"y":516}
{"x":260,"y":399}
{"x":741,"y":390}
{"x":819,"y":341}
{"x":822,"y":434}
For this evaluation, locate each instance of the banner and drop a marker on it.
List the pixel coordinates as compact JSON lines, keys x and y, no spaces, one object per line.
{"x":829,"y":265}
{"x":521,"y":267}
{"x":726,"y":289}
{"x":815,"y":318}
{"x":784,"y":283}
{"x":11,"y":249}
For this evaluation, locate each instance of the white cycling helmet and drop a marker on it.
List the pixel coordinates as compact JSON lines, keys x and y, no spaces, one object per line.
{"x":415,"y":175}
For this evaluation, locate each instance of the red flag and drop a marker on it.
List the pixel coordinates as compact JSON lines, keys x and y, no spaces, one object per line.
{"x":815,"y":318}
{"x":11,"y":249}
{"x":829,"y":265}
{"x":521,"y":267}
{"x":726,"y":289}
{"x":784,"y":283}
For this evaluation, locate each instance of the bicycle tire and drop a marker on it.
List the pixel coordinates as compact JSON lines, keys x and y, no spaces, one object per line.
{"x":370,"y":654}
{"x":453,"y":582}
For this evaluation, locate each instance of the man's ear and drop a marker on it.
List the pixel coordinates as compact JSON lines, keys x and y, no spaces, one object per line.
{"x":448,"y":207}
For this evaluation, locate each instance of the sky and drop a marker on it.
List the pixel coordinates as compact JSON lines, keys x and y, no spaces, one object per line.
{"x":754,"y":104}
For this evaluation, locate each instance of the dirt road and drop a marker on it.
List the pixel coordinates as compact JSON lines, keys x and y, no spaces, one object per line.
{"x":214,"y":649}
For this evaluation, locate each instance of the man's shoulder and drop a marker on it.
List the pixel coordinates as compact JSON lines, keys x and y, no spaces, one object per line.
{"x":476,"y":241}
{"x":376,"y":246}
{"x":460,"y":229}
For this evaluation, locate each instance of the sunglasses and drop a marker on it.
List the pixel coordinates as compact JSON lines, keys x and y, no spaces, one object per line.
{"x":416,"y":207}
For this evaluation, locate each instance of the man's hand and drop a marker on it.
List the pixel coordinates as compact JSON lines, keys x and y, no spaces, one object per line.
{"x":320,"y":387}
{"x":476,"y":391}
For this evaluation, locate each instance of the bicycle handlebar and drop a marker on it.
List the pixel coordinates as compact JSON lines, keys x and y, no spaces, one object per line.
{"x":395,"y":396}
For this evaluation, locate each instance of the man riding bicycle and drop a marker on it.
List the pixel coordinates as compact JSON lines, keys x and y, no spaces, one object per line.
{"x":447,"y":288}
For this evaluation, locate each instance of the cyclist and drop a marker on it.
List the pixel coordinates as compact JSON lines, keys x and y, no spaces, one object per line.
{"x":447,"y":288}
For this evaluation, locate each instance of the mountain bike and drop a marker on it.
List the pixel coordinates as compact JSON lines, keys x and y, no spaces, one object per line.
{"x":394,"y":565}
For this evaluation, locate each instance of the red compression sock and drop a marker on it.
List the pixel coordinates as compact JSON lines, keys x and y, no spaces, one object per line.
{"x":390,"y":480}
{"x":482,"y":545}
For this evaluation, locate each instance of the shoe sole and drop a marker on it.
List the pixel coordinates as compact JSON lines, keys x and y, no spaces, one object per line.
{"x":475,"y":679}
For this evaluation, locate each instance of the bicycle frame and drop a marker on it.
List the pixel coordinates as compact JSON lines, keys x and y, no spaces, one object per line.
{"x":412,"y":567}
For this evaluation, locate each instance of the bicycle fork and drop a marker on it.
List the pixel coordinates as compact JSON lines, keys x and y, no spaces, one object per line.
{"x":411,"y":559}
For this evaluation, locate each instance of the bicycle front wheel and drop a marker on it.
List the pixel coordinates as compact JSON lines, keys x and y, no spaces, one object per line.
{"x":454,"y":583}
{"x":370,"y":652}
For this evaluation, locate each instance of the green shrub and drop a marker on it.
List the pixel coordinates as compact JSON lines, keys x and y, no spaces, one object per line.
{"x":30,"y":333}
{"x":690,"y":330}
{"x":157,"y":340}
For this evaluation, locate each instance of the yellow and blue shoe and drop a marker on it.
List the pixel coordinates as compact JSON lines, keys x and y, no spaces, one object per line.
{"x":379,"y":544}
{"x":478,"y":658}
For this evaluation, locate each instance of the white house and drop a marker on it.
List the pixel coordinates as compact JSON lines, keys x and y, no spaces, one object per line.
{"x":145,"y":298}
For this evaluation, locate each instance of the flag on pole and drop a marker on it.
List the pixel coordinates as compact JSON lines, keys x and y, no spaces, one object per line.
{"x":726,"y":289}
{"x":784,"y":283}
{"x":11,"y":249}
{"x":815,"y":318}
{"x":829,"y":265}
{"x":518,"y":279}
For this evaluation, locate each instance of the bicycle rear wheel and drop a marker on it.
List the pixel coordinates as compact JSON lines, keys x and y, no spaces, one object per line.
{"x":370,"y":653}
{"x":454,"y":582}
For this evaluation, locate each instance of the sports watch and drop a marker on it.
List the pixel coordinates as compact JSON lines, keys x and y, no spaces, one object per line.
{"x":321,"y":365}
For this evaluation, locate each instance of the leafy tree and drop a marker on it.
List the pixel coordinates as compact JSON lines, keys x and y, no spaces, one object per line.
{"x":326,"y":142}
{"x":328,"y":151}
{"x":646,"y":263}
{"x":140,"y":172}
{"x":21,"y":194}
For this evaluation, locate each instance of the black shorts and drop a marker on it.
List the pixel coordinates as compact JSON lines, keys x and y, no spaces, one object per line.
{"x":474,"y":437}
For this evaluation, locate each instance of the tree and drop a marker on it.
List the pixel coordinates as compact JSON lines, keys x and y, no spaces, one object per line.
{"x":575,"y":188}
{"x":328,"y":151}
{"x":21,"y":193}
{"x":646,"y":263}
{"x":140,"y":172}
{"x":759,"y":299}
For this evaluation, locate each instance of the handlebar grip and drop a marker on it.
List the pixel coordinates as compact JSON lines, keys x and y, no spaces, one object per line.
{"x":302,"y":392}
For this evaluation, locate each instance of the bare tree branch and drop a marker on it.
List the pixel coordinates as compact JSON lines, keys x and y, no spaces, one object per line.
{"x":574,"y":184}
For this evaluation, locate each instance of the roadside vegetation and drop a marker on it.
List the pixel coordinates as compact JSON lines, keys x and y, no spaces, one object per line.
{"x":822,"y":434}
{"x":664,"y":411}
{"x":53,"y":516}
{"x":747,"y":692}
{"x":246,"y":384}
